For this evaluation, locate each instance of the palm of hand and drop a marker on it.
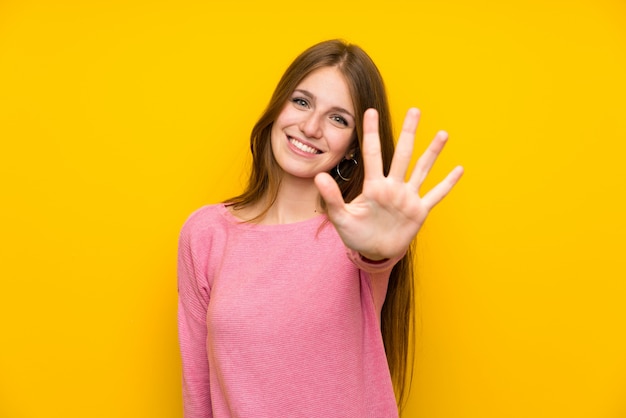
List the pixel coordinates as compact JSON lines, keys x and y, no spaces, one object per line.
{"x":383,"y":220}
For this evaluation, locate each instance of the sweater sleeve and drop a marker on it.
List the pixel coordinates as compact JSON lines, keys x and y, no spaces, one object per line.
{"x":193,"y":300}
{"x":373,"y":267}
{"x":376,"y":273}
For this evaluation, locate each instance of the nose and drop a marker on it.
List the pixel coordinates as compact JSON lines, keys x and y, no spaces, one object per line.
{"x":311,"y":125}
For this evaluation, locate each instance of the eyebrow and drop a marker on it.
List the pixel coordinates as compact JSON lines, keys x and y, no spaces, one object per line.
{"x":335,"y":108}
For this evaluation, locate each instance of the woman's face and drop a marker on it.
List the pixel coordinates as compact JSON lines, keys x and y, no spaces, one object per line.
{"x":316,"y":127}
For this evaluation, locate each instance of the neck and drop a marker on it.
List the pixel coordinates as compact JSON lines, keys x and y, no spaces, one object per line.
{"x":297,"y":200}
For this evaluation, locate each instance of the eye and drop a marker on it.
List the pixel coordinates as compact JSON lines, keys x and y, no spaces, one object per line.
{"x":300,"y":102}
{"x":339,"y":119}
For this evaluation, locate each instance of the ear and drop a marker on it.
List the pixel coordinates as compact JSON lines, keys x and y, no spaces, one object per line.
{"x":353,"y":149}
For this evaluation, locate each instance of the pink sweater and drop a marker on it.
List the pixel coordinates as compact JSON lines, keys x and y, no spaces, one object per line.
{"x":279,"y":321}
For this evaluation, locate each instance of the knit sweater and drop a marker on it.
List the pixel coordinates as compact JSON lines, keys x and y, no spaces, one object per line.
{"x":279,"y":321}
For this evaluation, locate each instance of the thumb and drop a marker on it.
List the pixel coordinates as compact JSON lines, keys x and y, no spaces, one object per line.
{"x":329,"y":190}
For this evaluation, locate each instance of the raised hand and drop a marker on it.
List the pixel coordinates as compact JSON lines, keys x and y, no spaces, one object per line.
{"x":383,"y":220}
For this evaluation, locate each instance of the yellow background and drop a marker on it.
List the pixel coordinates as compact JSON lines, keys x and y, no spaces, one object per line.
{"x":119,"y":118}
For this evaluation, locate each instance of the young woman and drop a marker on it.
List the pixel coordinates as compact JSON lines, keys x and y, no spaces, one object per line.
{"x":295,"y":298}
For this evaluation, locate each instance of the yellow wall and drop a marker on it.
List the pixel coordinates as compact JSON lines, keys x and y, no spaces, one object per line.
{"x":119,"y":118}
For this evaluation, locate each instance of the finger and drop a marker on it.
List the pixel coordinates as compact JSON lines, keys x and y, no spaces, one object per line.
{"x":404,"y":148}
{"x":372,"y":160}
{"x":329,"y":190}
{"x":427,"y":159}
{"x":440,"y":191}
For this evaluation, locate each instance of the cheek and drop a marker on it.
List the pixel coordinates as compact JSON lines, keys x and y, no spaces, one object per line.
{"x":344,"y":141}
{"x":287,"y":116}
{"x":275,"y":136}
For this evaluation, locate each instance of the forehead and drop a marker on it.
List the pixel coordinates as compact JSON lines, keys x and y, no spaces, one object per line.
{"x":329,"y":86}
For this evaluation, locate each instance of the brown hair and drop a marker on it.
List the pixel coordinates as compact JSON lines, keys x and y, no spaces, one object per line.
{"x":368,"y":91}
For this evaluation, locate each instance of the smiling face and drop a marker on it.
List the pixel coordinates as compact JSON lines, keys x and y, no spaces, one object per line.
{"x":316,"y":128}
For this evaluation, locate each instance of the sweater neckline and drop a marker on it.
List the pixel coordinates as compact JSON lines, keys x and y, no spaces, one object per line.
{"x":232,"y":219}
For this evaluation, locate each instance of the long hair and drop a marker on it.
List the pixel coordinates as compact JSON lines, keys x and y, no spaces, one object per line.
{"x":368,"y":91}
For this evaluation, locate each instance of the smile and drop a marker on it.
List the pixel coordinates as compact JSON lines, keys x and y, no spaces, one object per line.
{"x":303,"y":147}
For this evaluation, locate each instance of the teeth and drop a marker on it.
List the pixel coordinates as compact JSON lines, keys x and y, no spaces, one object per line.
{"x":302,"y":146}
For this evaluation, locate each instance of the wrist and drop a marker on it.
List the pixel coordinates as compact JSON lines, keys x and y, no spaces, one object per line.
{"x":372,"y":259}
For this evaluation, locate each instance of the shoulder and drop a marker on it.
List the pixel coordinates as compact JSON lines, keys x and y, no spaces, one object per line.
{"x":204,"y":222}
{"x":205,"y":217}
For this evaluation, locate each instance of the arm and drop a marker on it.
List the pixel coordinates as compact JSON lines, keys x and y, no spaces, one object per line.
{"x":193,"y":299}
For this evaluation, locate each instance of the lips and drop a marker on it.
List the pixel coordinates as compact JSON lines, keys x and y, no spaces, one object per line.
{"x":303,"y":147}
